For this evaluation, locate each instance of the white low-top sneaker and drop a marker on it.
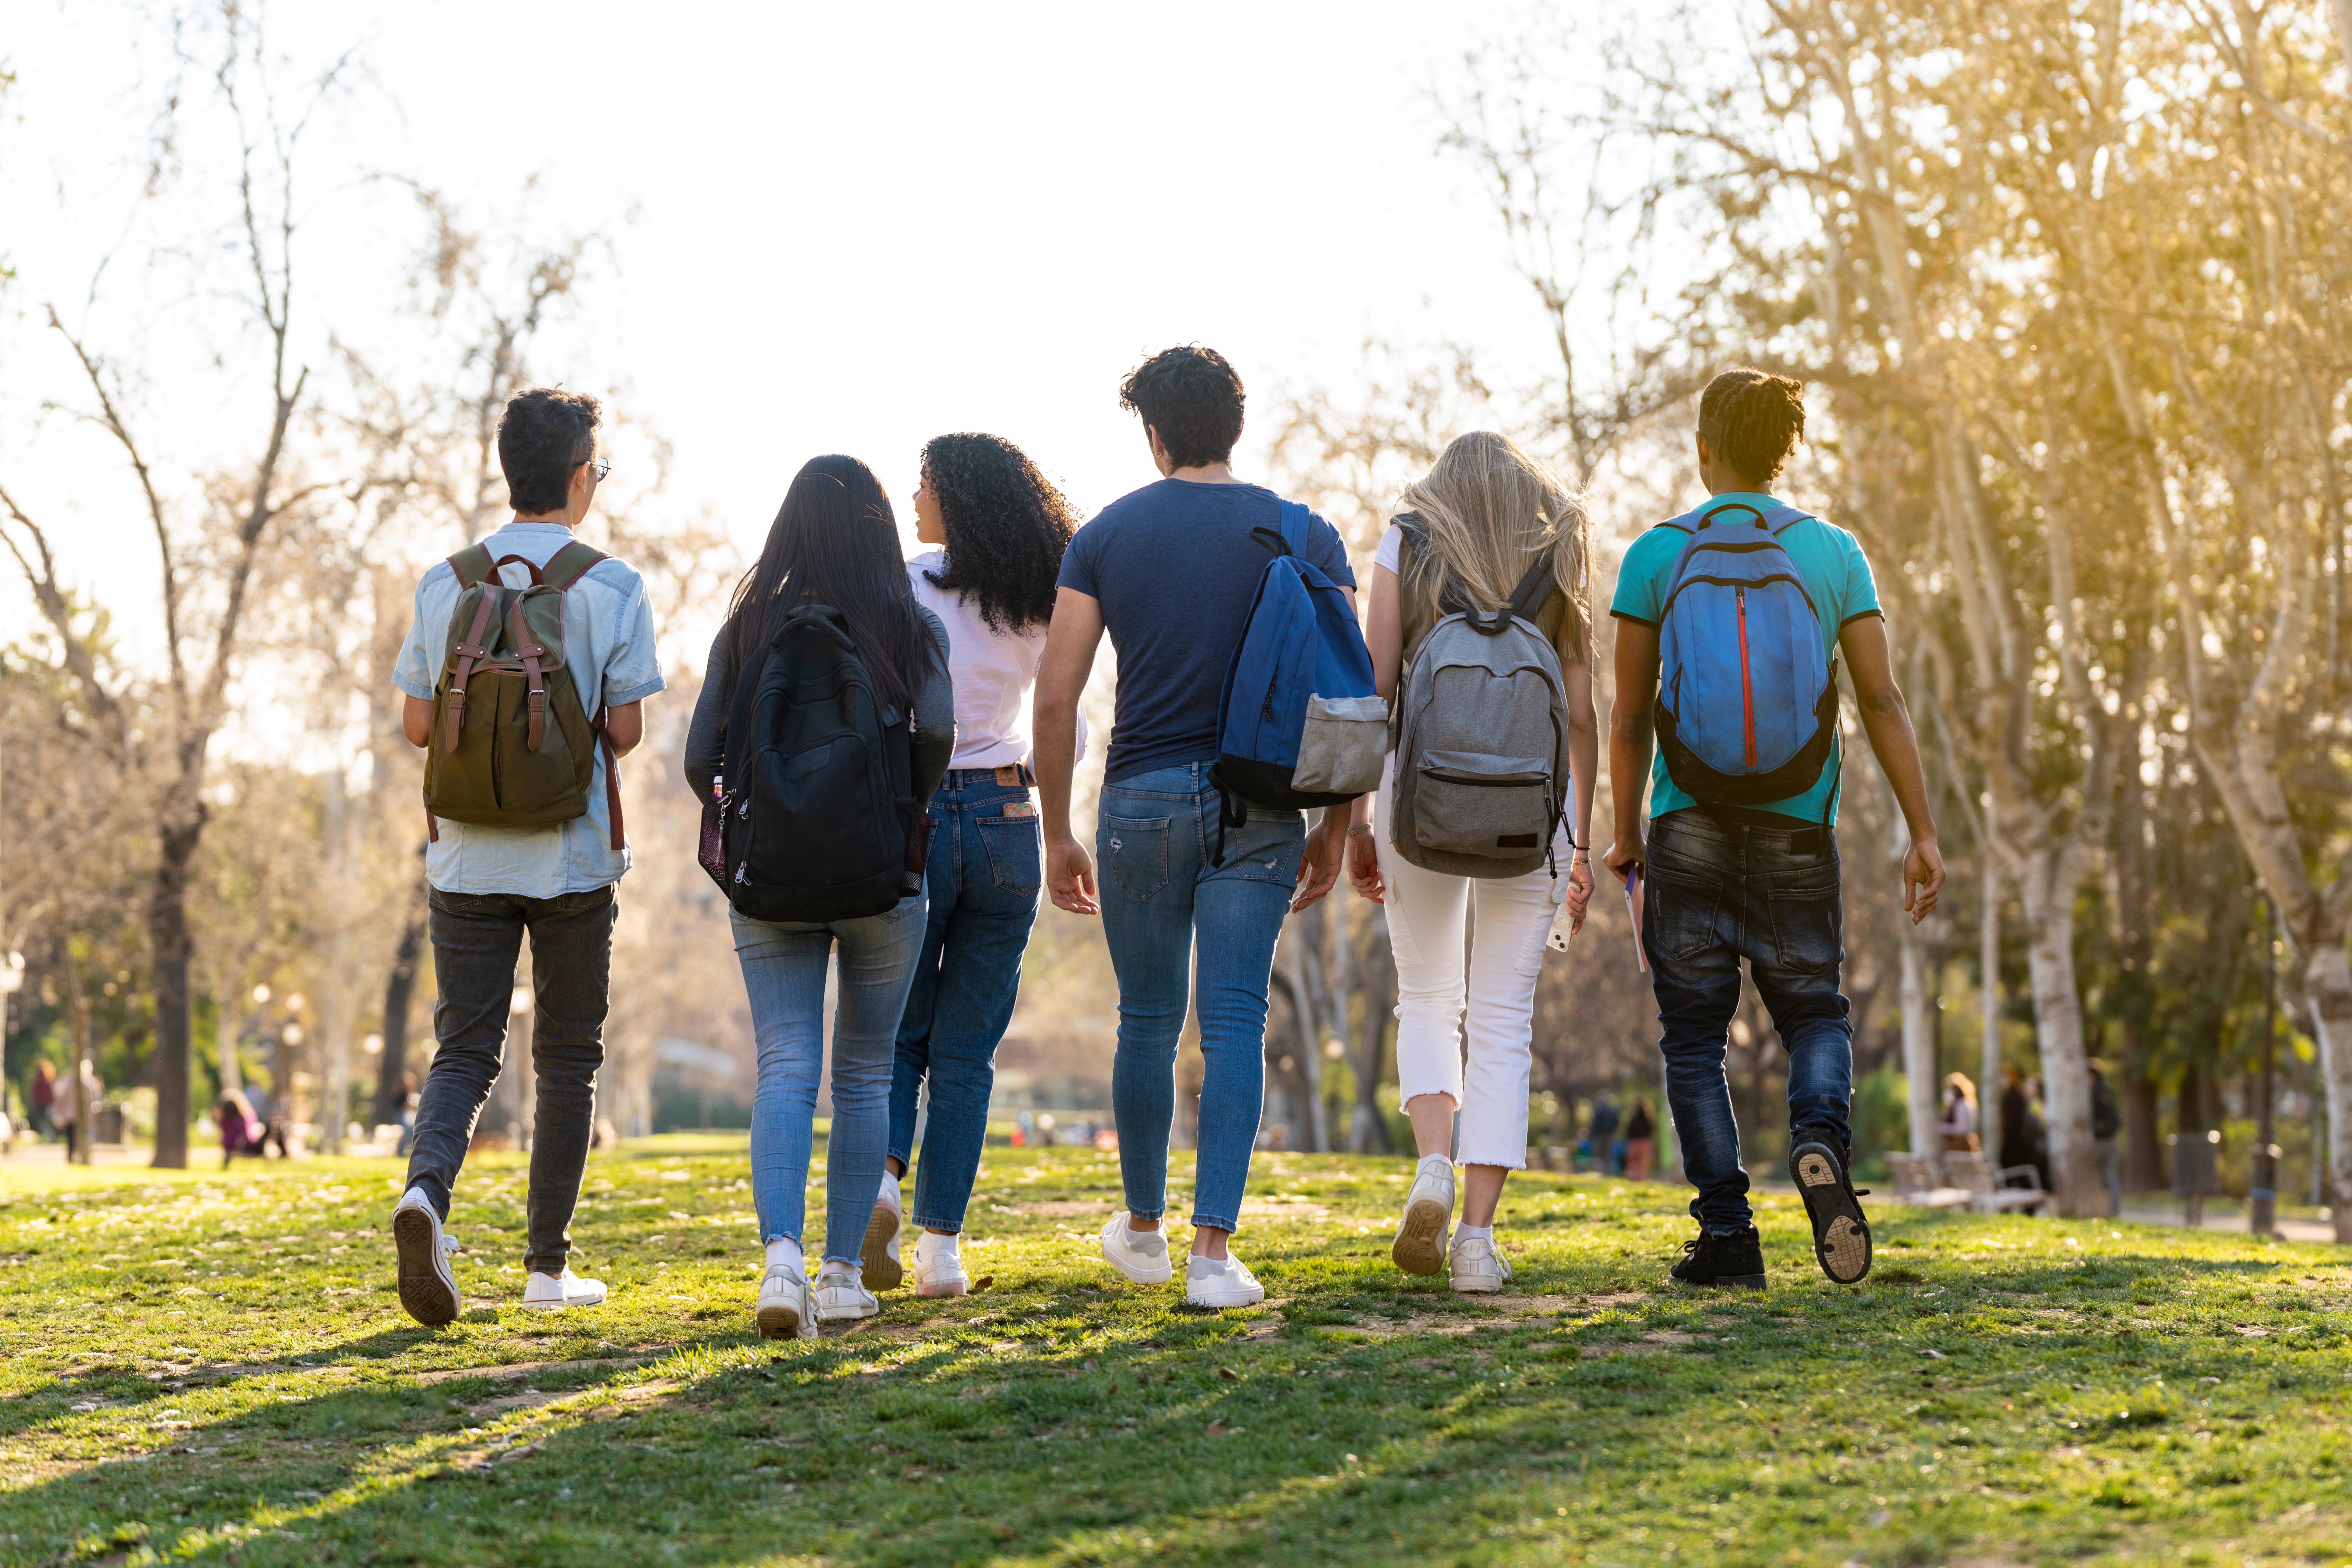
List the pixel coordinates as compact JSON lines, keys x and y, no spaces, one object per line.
{"x":842,"y":1297}
{"x":1474,"y":1267}
{"x":1209,"y":1283}
{"x":554,"y":1292}
{"x":1140,"y":1255}
{"x":939,"y":1273}
{"x":880,"y":1253}
{"x":783,"y":1311}
{"x":428,"y":1288}
{"x":1421,"y":1236}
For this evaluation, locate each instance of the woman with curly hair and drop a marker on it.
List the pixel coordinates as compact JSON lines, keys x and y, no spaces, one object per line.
{"x":998,"y":528}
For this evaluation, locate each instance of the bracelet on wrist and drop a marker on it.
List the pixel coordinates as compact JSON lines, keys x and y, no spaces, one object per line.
{"x":1359,"y":827}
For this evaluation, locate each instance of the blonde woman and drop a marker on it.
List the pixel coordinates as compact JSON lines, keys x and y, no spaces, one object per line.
{"x":1486,"y":511}
{"x":1958,"y":1124}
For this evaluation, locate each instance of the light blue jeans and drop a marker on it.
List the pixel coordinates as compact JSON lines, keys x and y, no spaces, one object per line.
{"x":1163,"y":899}
{"x":784,"y":972}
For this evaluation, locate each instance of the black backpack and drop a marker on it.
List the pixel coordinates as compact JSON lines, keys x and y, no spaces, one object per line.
{"x":2106,"y":1117}
{"x":820,"y":817}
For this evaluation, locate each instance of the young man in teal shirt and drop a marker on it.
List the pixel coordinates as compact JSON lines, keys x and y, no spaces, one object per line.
{"x":1759,"y":882}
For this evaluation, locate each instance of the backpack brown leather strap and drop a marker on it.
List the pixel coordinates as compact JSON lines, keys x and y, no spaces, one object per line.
{"x":612,"y":780}
{"x":571,"y":563}
{"x":472,"y":565}
{"x":469,"y":652}
{"x":529,"y":648}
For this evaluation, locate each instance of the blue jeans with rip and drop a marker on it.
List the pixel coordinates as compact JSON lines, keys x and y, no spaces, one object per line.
{"x":784,"y":972}
{"x":1164,"y":903}
{"x":982,"y":874}
{"x":1714,"y":893}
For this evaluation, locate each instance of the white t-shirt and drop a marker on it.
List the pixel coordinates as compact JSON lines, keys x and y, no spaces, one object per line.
{"x":992,"y":672}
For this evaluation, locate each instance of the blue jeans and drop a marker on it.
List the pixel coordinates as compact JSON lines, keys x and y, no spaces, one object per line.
{"x":982,"y":875}
{"x":1162,"y":901}
{"x":784,"y":972}
{"x":1716,"y":893}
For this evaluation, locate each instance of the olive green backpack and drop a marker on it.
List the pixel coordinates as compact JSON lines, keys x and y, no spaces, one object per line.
{"x":511,"y":744}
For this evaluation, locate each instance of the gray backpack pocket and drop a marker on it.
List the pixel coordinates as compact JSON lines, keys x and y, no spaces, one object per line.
{"x":1340,"y":749}
{"x":1477,"y":803}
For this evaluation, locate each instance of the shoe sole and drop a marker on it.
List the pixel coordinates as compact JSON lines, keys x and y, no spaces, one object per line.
{"x":597,"y":1301}
{"x":1841,"y":1234}
{"x":1476,"y":1287}
{"x":427,"y":1294}
{"x":881,"y":1271}
{"x":1722,"y":1282}
{"x":952,"y":1287}
{"x":1420,"y":1246}
{"x":851,"y":1315}
{"x":782,"y":1322}
{"x":1240,"y":1299}
{"x":1160,"y":1276}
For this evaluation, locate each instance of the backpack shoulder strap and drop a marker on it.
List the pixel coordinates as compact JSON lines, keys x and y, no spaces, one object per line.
{"x":1534,"y":588}
{"x":571,"y":563}
{"x":473,"y":565}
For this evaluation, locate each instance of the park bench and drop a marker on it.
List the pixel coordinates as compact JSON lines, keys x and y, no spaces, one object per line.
{"x":1989,"y":1187}
{"x":1909,"y":1174}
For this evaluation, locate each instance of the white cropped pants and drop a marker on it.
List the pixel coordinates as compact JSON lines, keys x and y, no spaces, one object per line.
{"x":1427,"y":915}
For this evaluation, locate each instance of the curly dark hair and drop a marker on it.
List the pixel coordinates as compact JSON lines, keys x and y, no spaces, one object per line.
{"x":1193,"y":397}
{"x":545,"y":435}
{"x":1006,"y":525}
{"x":1753,"y":420}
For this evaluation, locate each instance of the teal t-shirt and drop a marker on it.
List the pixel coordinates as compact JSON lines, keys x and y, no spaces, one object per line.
{"x":1837,"y":577}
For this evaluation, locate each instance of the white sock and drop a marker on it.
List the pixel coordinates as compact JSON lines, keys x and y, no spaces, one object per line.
{"x":1444,"y":1163}
{"x":784,"y":1251}
{"x":1219,"y":1264}
{"x":1132,"y":1231}
{"x":835,"y":1267}
{"x":1485,"y":1232}
{"x":931,"y":1244}
{"x":889,"y":1193}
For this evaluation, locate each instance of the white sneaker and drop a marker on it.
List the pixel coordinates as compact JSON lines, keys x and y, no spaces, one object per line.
{"x":1421,"y":1236}
{"x":939,"y":1272}
{"x":1474,"y":1267}
{"x":428,"y":1289}
{"x":1140,"y":1255}
{"x":842,"y":1297}
{"x":782,"y":1312}
{"x":1208,"y":1283}
{"x":880,"y":1253}
{"x":554,"y":1292}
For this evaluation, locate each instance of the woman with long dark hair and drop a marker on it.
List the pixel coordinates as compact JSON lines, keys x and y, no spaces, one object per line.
{"x":998,"y":528}
{"x":834,"y":542}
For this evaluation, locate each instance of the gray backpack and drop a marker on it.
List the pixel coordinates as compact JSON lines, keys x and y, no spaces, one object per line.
{"x":1482,"y":768}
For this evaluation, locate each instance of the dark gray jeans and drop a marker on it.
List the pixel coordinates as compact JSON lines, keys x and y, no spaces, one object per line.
{"x":477,"y":937}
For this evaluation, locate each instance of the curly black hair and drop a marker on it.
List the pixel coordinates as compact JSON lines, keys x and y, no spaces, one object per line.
{"x":545,"y":435}
{"x":1006,"y":526}
{"x":1753,"y":420}
{"x":1193,"y":397}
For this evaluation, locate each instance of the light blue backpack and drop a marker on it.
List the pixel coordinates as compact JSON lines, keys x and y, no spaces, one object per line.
{"x":1746,"y":692}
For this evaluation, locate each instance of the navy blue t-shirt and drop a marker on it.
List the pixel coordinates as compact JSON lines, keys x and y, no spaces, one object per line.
{"x":1175,"y":570}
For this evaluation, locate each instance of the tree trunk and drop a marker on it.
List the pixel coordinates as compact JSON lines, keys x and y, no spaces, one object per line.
{"x":229,"y":1026}
{"x":1919,"y":1055}
{"x":2327,"y":981}
{"x":1368,"y":1130}
{"x":1989,"y":990}
{"x":2144,"y":1141}
{"x":2050,"y":884}
{"x":399,"y":990}
{"x":169,"y":945}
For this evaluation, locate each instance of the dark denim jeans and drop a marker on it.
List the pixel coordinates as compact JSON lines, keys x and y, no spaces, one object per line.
{"x":1716,"y":893}
{"x":984,"y":874}
{"x":477,"y":937}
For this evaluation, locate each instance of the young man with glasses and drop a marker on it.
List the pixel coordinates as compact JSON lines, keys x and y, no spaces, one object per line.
{"x":491,"y":885}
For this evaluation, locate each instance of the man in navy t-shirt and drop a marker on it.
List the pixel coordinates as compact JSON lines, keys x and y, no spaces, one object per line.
{"x":1170,"y":572}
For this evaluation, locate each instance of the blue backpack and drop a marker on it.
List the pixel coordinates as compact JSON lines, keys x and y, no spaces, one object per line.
{"x":1747,"y":695}
{"x":1301,"y":723}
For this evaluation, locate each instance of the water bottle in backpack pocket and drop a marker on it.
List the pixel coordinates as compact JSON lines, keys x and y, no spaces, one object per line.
{"x":1482,"y":769}
{"x":1301,"y":722}
{"x":819,"y":821}
{"x":1746,"y":711}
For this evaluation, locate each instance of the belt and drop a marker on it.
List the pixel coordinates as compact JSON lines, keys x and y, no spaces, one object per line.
{"x":972,"y":778}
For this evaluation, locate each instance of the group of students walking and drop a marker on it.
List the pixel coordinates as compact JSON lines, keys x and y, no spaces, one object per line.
{"x":885,"y":750}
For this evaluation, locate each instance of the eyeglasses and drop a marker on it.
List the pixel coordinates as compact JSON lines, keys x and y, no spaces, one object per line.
{"x":598,"y":467}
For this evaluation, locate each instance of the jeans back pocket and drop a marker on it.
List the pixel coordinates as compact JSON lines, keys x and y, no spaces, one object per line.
{"x":1807,"y":928}
{"x":1135,"y":853}
{"x":1015,"y":853}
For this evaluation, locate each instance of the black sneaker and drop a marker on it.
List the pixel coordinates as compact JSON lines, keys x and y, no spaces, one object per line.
{"x":1734,"y":1259}
{"x":1841,"y":1234}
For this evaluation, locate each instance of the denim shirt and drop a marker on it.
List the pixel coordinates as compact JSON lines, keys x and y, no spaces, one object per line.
{"x":608,"y":648}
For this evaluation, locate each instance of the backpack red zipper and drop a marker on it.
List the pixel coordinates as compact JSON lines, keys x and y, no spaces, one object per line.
{"x":1747,"y":684}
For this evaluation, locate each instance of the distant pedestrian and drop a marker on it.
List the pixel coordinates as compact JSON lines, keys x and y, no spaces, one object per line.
{"x":74,"y":1108}
{"x":1602,"y":1133}
{"x":241,"y":1132}
{"x":2106,"y":1134}
{"x":523,"y":802}
{"x":2020,"y":1131}
{"x":1959,"y":1123}
{"x":403,"y":1111}
{"x":1641,"y":1141}
{"x":43,"y":1096}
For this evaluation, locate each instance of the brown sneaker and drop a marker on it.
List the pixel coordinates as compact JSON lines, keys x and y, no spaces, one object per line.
{"x":1841,"y":1234}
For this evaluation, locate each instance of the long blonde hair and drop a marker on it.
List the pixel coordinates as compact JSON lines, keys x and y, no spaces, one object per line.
{"x":1487,"y":509}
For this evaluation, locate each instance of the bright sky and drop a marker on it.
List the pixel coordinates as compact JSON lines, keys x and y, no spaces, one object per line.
{"x":835,"y":228}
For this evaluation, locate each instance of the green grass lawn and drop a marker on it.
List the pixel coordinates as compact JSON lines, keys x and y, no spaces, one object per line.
{"x":217,"y":1370}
